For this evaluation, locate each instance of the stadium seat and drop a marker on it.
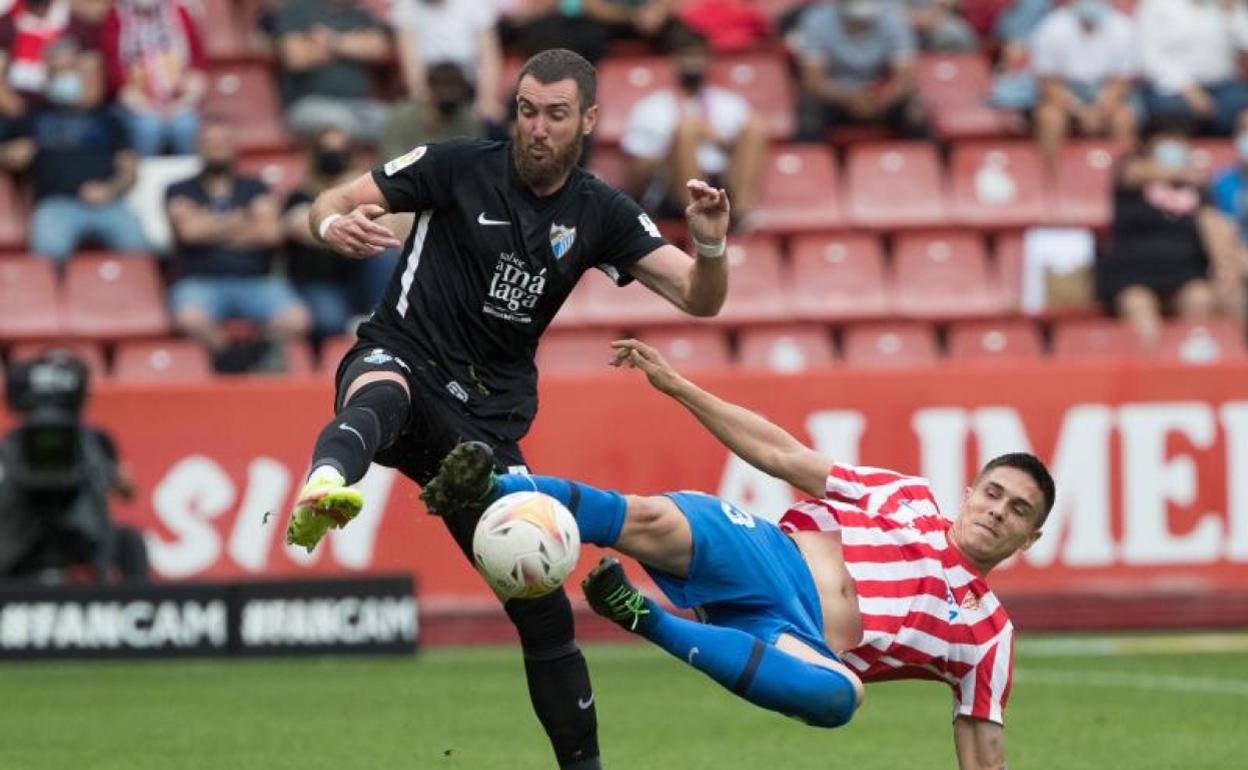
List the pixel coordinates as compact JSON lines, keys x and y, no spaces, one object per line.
{"x":889,"y":344}
{"x":801,"y":191}
{"x":954,"y":88}
{"x":1207,"y":342}
{"x":1093,"y":337}
{"x":586,"y":351}
{"x":993,"y":340}
{"x":838,"y":278}
{"x":944,"y":275}
{"x":1083,"y":194}
{"x":691,"y":348}
{"x":894,"y":185}
{"x":28,"y":296}
{"x":16,"y":214}
{"x":114,"y":296}
{"x":161,"y":361}
{"x":245,"y":96}
{"x":785,"y":350}
{"x":225,"y":37}
{"x":90,"y":352}
{"x":621,"y":84}
{"x":998,"y":185}
{"x":282,"y":172}
{"x":1008,"y":250}
{"x":764,"y":82}
{"x":610,"y":165}
{"x":758,"y":285}
{"x":606,"y":304}
{"x":1213,"y":155}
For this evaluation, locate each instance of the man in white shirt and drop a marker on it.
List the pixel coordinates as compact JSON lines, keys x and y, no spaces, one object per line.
{"x":1189,"y":59}
{"x":694,"y":131}
{"x":458,"y":31}
{"x":1084,"y":57}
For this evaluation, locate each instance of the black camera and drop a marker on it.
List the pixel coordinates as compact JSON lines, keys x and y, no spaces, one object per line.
{"x":48,"y":394}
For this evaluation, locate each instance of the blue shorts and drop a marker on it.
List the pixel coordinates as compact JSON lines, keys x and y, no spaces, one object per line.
{"x":257,"y":299}
{"x":745,"y":574}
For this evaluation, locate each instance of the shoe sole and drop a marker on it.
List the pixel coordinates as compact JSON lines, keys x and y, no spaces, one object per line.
{"x":461,"y":478}
{"x":324,"y":510}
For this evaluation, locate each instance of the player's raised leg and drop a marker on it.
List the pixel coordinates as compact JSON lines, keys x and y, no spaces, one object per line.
{"x":374,"y":410}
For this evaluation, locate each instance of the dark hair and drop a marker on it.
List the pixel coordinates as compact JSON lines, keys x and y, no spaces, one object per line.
{"x":555,"y":64}
{"x":1032,"y":466}
{"x":681,"y":37}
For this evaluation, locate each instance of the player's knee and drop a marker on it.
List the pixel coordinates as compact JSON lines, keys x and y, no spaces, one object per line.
{"x":545,"y":624}
{"x":649,"y":515}
{"x":835,"y":702}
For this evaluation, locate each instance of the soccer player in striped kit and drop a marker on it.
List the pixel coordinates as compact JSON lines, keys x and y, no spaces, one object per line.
{"x":866,"y":581}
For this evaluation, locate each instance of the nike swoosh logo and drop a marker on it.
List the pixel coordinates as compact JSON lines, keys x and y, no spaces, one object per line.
{"x":358,"y":435}
{"x":585,"y":704}
{"x":482,"y":220}
{"x":692,"y":654}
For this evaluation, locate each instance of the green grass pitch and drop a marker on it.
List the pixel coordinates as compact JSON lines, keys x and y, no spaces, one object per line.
{"x":1118,"y":702}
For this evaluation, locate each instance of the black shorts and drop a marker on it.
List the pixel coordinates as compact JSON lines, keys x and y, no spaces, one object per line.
{"x":433,"y":428}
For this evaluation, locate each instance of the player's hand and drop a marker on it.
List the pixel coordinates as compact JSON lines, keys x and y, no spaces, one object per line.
{"x":708,"y":212}
{"x":633,"y":354}
{"x":357,"y":235}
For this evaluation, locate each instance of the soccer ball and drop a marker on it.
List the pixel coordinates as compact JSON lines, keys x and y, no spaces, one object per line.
{"x":526,"y":544}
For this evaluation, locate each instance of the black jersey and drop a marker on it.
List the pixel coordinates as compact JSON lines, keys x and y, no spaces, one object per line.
{"x":486,"y":267}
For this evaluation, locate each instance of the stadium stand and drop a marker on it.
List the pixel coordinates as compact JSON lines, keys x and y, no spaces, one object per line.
{"x":691,"y":348}
{"x":111,"y":296}
{"x":245,"y":96}
{"x":759,"y":282}
{"x":28,"y":294}
{"x":785,"y":349}
{"x":1091,"y":337}
{"x":161,"y":361}
{"x":839,"y":277}
{"x":997,"y":185}
{"x":954,"y":86}
{"x":91,"y":353}
{"x":993,"y":340}
{"x":894,"y":185}
{"x":575,"y":351}
{"x":763,"y":81}
{"x":801,"y":191}
{"x":889,"y":344}
{"x":944,"y":275}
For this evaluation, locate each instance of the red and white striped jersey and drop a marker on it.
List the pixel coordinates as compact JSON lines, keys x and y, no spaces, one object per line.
{"x":926,"y":611}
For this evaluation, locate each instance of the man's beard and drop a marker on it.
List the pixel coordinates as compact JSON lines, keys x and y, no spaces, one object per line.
{"x":540,"y":174}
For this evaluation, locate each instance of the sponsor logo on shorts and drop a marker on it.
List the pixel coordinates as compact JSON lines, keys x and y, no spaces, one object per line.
{"x":457,"y":390}
{"x":379,"y":356}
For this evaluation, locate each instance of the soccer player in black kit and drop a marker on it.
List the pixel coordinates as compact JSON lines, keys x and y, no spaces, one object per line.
{"x":502,"y":233}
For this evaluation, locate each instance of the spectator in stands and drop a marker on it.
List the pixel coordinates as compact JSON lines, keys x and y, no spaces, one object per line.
{"x":1012,"y":23}
{"x":225,"y":228}
{"x":1084,"y":55}
{"x":730,"y":26}
{"x":79,"y":157}
{"x":587,"y":26}
{"x":447,"y":111}
{"x":940,"y":27}
{"x":1230,"y":187}
{"x":461,"y":32}
{"x":154,"y":55}
{"x":26,"y":30}
{"x":857,"y":61}
{"x":1189,"y":57}
{"x":1171,"y":251}
{"x":325,"y":49}
{"x":695,"y":131}
{"x":332,"y":286}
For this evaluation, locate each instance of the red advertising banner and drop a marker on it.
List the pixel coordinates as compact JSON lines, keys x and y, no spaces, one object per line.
{"x":1151,"y":462}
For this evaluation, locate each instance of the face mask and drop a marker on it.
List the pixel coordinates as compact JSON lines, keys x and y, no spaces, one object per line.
{"x":1090,"y":11}
{"x":446,"y":108}
{"x":218,"y":167}
{"x":691,"y":80}
{"x":65,"y":89}
{"x":332,"y":162}
{"x":1170,"y":153}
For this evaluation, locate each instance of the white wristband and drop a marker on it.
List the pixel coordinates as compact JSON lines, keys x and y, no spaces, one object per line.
{"x":325,"y":224}
{"x":710,"y":250}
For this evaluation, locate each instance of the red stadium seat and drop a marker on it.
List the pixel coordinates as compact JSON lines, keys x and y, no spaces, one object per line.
{"x":764,"y":82}
{"x":1093,"y":337}
{"x":837,"y":278}
{"x":895,"y":185}
{"x":757,"y":290}
{"x":16,"y":214}
{"x":786,"y":350}
{"x":998,"y":185}
{"x":1009,"y":258}
{"x":944,"y":275}
{"x":1083,"y":194}
{"x":298,"y":355}
{"x":801,"y":191}
{"x":245,"y":96}
{"x":161,"y":361}
{"x":282,"y":172}
{"x":954,"y":87}
{"x":606,"y":304}
{"x":610,"y":165}
{"x":889,"y":344}
{"x":993,"y":340}
{"x":577,"y":350}
{"x":692,"y":348}
{"x":90,"y":352}
{"x":621,"y":84}
{"x":112,"y":296}
{"x":1213,"y":155}
{"x":29,"y":300}
{"x":1203,"y":342}
{"x":225,"y":37}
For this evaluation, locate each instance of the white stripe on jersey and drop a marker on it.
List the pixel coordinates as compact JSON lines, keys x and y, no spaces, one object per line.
{"x":1001,"y":670}
{"x":893,"y":570}
{"x":413,"y":260}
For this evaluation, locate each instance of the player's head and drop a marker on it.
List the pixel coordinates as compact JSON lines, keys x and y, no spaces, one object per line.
{"x":1004,"y":508}
{"x":555,"y":111}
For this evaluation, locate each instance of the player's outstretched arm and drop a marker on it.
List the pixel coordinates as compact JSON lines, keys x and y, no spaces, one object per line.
{"x":698,"y":286}
{"x":980,"y":744}
{"x":748,"y":435}
{"x":343,"y":217}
